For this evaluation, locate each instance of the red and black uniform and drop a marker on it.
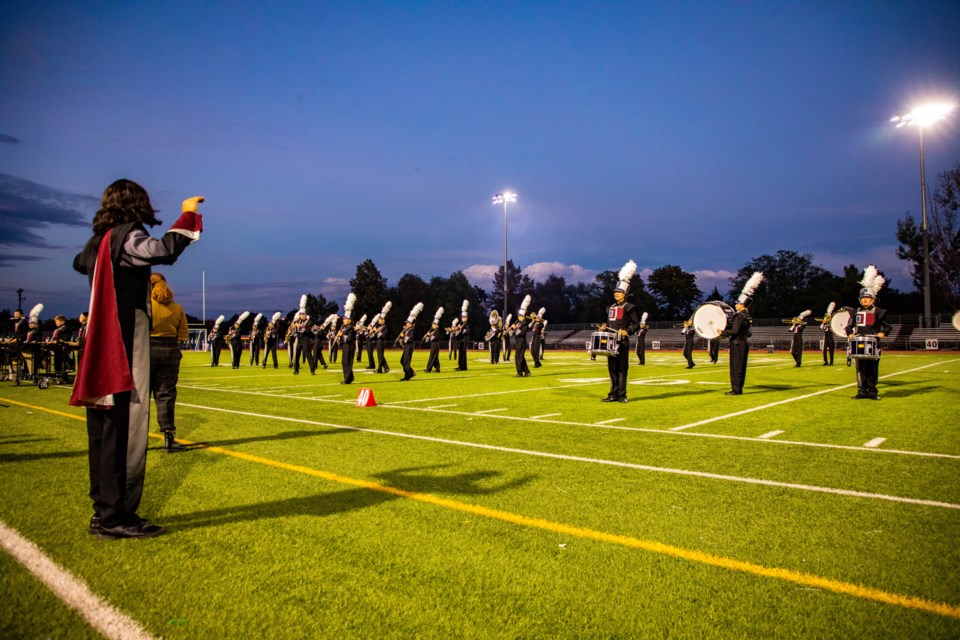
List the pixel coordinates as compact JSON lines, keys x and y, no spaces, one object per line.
{"x":868,"y":322}
{"x":621,"y":317}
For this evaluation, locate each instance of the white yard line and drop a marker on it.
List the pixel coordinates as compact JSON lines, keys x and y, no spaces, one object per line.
{"x":789,"y":400}
{"x":440,"y":406}
{"x":103,"y":617}
{"x":610,"y":421}
{"x":876,"y":442}
{"x":772,"y":434}
{"x":489,"y":411}
{"x":546,"y":415}
{"x":600,"y":461}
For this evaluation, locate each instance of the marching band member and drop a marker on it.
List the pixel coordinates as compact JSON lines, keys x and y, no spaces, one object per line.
{"x":270,"y":338}
{"x":215,"y":340}
{"x":869,"y":320}
{"x":829,"y":344}
{"x":433,"y":338}
{"x":167,"y":330}
{"x":738,"y":333}
{"x":688,"y":336}
{"x":113,"y":379}
{"x":493,"y":337}
{"x":333,"y":342}
{"x":797,"y":325}
{"x":520,"y":331}
{"x":317,"y":332}
{"x":58,"y":345}
{"x":463,"y":336}
{"x":622,"y":319}
{"x":507,"y":338}
{"x":235,"y":338}
{"x":371,"y":340}
{"x":452,"y":331}
{"x":30,"y":347}
{"x":382,"y":366}
{"x":536,"y":328}
{"x":407,"y":338}
{"x":361,"y":331}
{"x":20,"y":326}
{"x":642,"y":339}
{"x":290,"y":338}
{"x":256,"y":341}
{"x":713,"y":350}
{"x":348,"y":338}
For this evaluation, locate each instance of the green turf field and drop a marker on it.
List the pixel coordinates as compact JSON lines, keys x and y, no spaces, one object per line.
{"x":478,"y":504}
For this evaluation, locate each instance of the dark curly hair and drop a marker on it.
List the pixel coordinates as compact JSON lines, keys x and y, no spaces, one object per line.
{"x":124,"y":201}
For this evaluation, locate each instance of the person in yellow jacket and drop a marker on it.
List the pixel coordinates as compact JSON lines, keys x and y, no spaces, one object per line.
{"x":169,"y":329}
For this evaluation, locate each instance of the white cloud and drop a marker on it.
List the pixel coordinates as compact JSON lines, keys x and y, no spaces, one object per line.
{"x":481,"y":275}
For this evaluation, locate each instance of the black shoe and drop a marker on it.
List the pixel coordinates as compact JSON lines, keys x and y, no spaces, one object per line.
{"x":346,"y":382}
{"x":873,"y":397}
{"x":733,"y":393}
{"x":690,"y":366}
{"x":171,"y":445}
{"x":622,"y":400}
{"x":860,"y":396}
{"x":609,"y":399}
{"x":94,"y":527}
{"x":139,"y":530}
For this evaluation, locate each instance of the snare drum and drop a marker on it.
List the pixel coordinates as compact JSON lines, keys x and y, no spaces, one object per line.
{"x":605,"y":343}
{"x":712,"y":318}
{"x":863,"y":348}
{"x":838,"y":323}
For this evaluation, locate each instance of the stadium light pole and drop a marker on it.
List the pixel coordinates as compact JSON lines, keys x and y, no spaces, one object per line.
{"x":921,"y":117}
{"x":504,"y":198}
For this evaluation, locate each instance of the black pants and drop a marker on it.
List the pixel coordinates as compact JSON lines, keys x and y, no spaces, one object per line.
{"x":406,"y":359}
{"x":433,"y":361}
{"x":236,"y":349}
{"x":507,"y":349}
{"x":495,"y":351}
{"x":829,"y":346}
{"x":347,"y":362}
{"x":617,"y":367}
{"x":462,"y":355}
{"x":688,"y":351}
{"x":642,"y":351}
{"x":215,"y":348}
{"x":738,"y":364}
{"x":382,"y":366}
{"x":165,"y":359}
{"x":796,"y":349}
{"x":535,"y":351}
{"x":520,"y":359}
{"x":868,"y":372}
{"x":270,"y":348}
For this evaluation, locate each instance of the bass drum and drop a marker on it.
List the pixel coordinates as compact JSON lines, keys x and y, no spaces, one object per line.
{"x":838,"y":323}
{"x":956,"y":321}
{"x":712,"y":318}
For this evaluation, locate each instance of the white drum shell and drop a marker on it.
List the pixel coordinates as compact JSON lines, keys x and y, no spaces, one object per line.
{"x":838,"y":323}
{"x":712,"y":318}
{"x":863,"y":348}
{"x":605,"y":343}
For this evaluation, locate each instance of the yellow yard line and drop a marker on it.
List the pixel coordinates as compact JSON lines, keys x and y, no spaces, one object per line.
{"x":786,"y":575}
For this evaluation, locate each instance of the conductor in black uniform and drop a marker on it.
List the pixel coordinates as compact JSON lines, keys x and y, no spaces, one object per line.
{"x":624,"y":320}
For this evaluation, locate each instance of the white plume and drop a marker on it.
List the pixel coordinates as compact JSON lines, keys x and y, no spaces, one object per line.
{"x":524,"y":305}
{"x":509,"y":318}
{"x":872,"y":280}
{"x":276,"y":316}
{"x":643,"y":318}
{"x":438,"y":314}
{"x":804,"y":314}
{"x":417,"y":308}
{"x":257,"y":319}
{"x":330,"y":318}
{"x":626,"y":272}
{"x":373,"y":320}
{"x":218,"y":321}
{"x":542,"y":311}
{"x":464,"y":307}
{"x":303,"y":302}
{"x":243,"y":316}
{"x":456,"y":321}
{"x":348,"y":305}
{"x":831,"y":307}
{"x":386,"y":309}
{"x":751,"y":286}
{"x":362,"y":319}
{"x":35,"y":313}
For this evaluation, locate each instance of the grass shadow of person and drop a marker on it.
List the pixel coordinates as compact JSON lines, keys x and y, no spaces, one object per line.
{"x":396,"y":483}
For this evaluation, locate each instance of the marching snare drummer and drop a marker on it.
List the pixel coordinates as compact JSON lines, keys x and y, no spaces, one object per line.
{"x":738,"y":333}
{"x":348,"y":339}
{"x":869,"y":320}
{"x":520,"y":332}
{"x":624,"y":320}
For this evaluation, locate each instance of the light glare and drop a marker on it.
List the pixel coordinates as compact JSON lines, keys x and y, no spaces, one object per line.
{"x":924,"y":115}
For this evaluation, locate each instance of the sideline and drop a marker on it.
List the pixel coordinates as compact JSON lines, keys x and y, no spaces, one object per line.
{"x":732,"y":564}
{"x":101,"y":615}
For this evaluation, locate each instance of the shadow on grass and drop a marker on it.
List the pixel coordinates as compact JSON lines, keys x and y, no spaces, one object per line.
{"x":26,"y":438}
{"x":33,"y":457}
{"x":286,"y":435}
{"x":412,"y":479}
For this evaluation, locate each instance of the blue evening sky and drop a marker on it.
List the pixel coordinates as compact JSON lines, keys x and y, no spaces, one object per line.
{"x":698,"y":134}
